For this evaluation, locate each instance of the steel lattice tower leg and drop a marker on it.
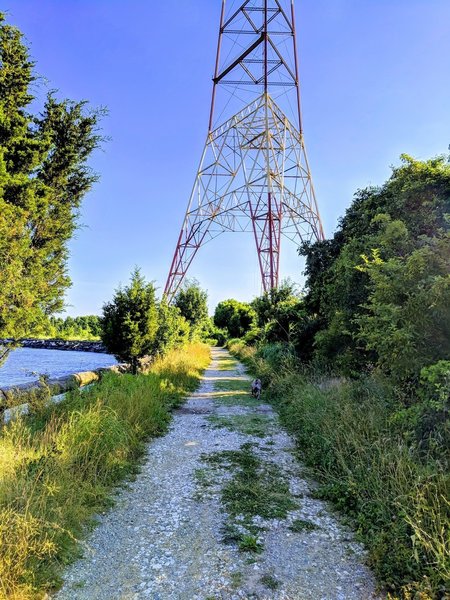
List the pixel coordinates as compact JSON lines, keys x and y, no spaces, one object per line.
{"x":254,"y":173}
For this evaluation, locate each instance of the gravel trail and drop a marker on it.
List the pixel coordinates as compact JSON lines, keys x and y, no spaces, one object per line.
{"x":164,"y":539}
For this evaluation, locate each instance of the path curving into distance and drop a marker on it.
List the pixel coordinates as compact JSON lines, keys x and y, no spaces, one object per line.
{"x":220,"y":510}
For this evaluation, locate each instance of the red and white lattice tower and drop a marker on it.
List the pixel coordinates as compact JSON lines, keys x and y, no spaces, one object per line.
{"x":254,"y":174}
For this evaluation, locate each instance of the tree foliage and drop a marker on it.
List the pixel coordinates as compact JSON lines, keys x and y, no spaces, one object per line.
{"x":237,"y":318}
{"x":69,"y":328}
{"x":173,"y":329}
{"x":130,"y":321}
{"x":267,"y":306}
{"x":192,"y":302}
{"x":387,"y":310}
{"x":43,"y":178}
{"x":135,"y":324}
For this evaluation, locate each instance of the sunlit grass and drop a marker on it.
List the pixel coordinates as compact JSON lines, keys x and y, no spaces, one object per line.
{"x":227,"y":364}
{"x":228,"y":385}
{"x":57,"y":469}
{"x":235,"y":399}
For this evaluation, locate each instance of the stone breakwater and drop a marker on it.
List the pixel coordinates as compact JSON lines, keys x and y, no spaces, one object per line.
{"x":58,"y":344}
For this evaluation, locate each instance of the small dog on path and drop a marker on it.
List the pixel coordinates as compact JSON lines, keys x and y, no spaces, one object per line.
{"x":256,"y":388}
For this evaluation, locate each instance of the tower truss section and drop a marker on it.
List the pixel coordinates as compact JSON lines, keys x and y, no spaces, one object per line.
{"x":254,"y":174}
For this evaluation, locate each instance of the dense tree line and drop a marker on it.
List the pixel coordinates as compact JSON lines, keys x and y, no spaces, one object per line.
{"x":377,"y":294}
{"x":69,"y":328}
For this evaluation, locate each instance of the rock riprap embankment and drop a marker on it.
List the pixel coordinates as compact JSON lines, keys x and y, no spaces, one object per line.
{"x":220,"y":510}
{"x":58,"y":344}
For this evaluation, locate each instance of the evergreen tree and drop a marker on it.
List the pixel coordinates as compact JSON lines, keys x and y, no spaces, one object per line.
{"x":130,"y":321}
{"x":43,"y":178}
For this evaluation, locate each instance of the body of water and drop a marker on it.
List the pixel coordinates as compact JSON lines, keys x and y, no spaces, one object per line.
{"x":26,"y":364}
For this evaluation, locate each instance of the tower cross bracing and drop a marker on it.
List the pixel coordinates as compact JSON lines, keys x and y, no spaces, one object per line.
{"x":254,"y":174}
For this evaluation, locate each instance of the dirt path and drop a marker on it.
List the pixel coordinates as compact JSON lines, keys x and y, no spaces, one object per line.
{"x":220,"y":511}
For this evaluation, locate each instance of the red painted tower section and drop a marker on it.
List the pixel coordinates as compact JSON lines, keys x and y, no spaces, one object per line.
{"x":254,"y":174}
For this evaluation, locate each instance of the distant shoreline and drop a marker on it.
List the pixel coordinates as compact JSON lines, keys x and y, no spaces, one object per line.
{"x":59,"y":344}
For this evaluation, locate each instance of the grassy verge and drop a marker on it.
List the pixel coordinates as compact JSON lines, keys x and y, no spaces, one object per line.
{"x":57,"y":468}
{"x":358,"y":450}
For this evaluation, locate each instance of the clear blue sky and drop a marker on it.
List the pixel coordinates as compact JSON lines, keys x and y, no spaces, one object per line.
{"x":375,"y":83}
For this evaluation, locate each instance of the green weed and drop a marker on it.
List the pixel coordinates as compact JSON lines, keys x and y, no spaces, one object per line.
{"x":249,"y":543}
{"x":248,"y":424}
{"x":236,"y":579}
{"x":256,"y":488}
{"x":270,"y":582}
{"x":300,"y":525}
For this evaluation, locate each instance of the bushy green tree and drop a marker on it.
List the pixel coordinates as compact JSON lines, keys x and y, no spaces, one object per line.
{"x":407,"y":317}
{"x":237,"y":318}
{"x":266,"y":306}
{"x":283,"y":318}
{"x":173,"y":329}
{"x":130,"y":321}
{"x":192,"y":302}
{"x":397,"y":219}
{"x":43,"y":178}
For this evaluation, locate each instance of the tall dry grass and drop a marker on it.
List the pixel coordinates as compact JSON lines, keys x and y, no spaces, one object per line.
{"x":58,"y":467}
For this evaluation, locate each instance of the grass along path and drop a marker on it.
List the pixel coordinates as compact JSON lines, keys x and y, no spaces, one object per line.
{"x":220,"y":511}
{"x":58,"y":466}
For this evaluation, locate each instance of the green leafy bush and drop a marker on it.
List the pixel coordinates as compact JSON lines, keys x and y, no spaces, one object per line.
{"x":237,"y":318}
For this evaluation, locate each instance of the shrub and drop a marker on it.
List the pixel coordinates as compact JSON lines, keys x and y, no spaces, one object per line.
{"x":130,"y":321}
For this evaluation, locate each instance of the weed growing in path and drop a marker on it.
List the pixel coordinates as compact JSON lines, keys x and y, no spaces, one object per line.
{"x":257,"y":490}
{"x":250,"y":543}
{"x":248,"y":424}
{"x":300,"y":525}
{"x":270,"y":582}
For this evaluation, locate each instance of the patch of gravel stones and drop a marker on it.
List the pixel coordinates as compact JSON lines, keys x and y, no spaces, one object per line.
{"x":163,"y":539}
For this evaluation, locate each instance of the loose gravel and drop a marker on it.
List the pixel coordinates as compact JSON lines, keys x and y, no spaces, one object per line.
{"x":164,"y":538}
